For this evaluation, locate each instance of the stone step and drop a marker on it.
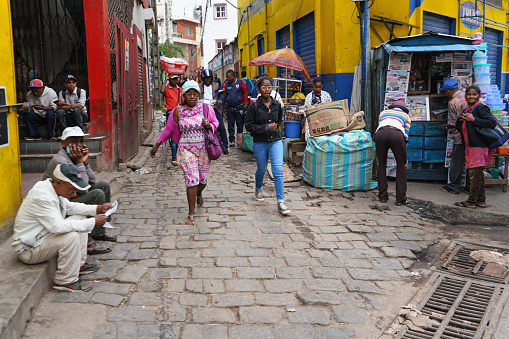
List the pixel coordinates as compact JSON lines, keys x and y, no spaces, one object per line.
{"x":37,"y":163}
{"x":43,"y":129}
{"x":52,"y":147}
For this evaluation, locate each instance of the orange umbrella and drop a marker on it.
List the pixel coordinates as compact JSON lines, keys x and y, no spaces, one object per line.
{"x":285,"y":57}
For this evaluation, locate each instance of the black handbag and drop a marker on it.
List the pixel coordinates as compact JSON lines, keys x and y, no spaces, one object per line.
{"x":494,"y":137}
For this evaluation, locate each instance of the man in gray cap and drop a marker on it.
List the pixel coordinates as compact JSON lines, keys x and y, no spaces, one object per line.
{"x":72,"y":109}
{"x":43,"y":230}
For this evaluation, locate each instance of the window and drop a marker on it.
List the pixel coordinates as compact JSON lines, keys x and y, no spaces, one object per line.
{"x":219,"y":45}
{"x":189,"y":30}
{"x":220,"y":11}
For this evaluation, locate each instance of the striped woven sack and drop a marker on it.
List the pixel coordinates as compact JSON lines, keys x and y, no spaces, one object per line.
{"x":343,"y":162}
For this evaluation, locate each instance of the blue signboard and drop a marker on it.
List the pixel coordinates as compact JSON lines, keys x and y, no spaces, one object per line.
{"x":470,"y":15}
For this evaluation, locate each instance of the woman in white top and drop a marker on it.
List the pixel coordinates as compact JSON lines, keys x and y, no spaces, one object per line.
{"x":316,"y":97}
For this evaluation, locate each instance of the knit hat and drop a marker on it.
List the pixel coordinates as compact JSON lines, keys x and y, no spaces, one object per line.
{"x":401,"y":105}
{"x":190,"y":84}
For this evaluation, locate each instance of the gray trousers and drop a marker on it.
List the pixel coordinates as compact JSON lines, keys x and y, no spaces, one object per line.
{"x":98,"y":194}
{"x":71,"y":118}
{"x":457,"y":167}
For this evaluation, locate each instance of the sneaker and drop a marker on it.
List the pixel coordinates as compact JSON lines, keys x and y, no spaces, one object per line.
{"x":32,"y":138}
{"x":174,"y":162}
{"x":77,"y":286}
{"x":282,"y":208}
{"x":53,"y":139}
{"x":225,"y":152}
{"x":89,"y":268}
{"x":446,"y":188}
{"x":231,"y":144}
{"x":258,"y":195}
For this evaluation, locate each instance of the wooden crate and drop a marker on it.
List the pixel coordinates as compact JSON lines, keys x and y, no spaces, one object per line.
{"x":296,"y":151}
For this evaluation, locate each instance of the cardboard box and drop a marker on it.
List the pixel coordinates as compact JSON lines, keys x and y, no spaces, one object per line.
{"x":327,"y":117}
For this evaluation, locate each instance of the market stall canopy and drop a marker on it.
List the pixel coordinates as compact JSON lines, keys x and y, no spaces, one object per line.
{"x":429,"y":42}
{"x":285,"y":57}
{"x":173,"y":65}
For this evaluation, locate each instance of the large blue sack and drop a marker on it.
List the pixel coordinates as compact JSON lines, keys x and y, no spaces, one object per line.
{"x":343,"y":162}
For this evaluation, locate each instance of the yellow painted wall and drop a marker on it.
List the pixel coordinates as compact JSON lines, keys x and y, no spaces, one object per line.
{"x":337,"y":27}
{"x":10,"y":168}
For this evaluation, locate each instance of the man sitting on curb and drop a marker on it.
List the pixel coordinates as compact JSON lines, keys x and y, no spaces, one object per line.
{"x":42,"y":229}
{"x":71,"y":105}
{"x":75,"y":152}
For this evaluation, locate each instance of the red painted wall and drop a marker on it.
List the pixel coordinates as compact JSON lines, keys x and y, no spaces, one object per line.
{"x":182,"y":29}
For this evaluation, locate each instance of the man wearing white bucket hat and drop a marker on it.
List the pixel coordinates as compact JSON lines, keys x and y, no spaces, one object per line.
{"x":42,"y":229}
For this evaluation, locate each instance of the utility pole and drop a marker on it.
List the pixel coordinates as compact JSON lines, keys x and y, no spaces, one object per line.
{"x":366,"y":63}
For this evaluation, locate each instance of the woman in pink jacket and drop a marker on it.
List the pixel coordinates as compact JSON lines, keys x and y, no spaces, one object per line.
{"x":188,"y":127}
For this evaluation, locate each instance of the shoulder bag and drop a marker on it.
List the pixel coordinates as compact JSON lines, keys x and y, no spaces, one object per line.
{"x":212,"y":144}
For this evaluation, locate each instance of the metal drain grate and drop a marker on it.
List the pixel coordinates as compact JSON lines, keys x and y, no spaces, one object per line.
{"x":460,"y":262}
{"x":462,"y":307}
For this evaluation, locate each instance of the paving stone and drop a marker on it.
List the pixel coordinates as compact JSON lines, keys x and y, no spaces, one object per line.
{"x":318,"y":298}
{"x":409,"y":245}
{"x":127,"y":331}
{"x":373,"y":274}
{"x":243,"y":285}
{"x":145,"y":299}
{"x":174,"y":314}
{"x":309,"y":315}
{"x":193,"y":300}
{"x":180,"y":253}
{"x":282,"y":286}
{"x":266,"y":262}
{"x":108,"y":270}
{"x":159,"y":331}
{"x":195,"y":331}
{"x":82,"y":297}
{"x":345,"y":314}
{"x":267,"y":299}
{"x":107,"y":299}
{"x":239,"y":224}
{"x":174,"y":285}
{"x":329,"y":272}
{"x":149,"y":262}
{"x":131,"y":274}
{"x":218,"y":218}
{"x":359,"y":300}
{"x":360,"y":228}
{"x":168,"y":273}
{"x":397,"y":252}
{"x":192,"y":244}
{"x":406,"y":263}
{"x":107,"y":287}
{"x":389,"y":285}
{"x":289,"y":253}
{"x":255,"y":273}
{"x":149,"y":244}
{"x":382,"y":236}
{"x":322,"y":254}
{"x":409,"y":236}
{"x":324,"y":285}
{"x":265,"y":244}
{"x":323,"y":245}
{"x":131,"y":313}
{"x":357,"y":254}
{"x":250,"y":332}
{"x":144,"y":254}
{"x":252,"y":252}
{"x":377,"y":244}
{"x":332,"y":333}
{"x":389,"y":264}
{"x":212,"y":273}
{"x":361,"y":286}
{"x":231,"y":262}
{"x":213,"y":315}
{"x":218,"y":252}
{"x":148,"y":284}
{"x":295,"y":331}
{"x":334,"y":229}
{"x":204,"y":237}
{"x":195,"y":262}
{"x":352,"y":237}
{"x":213,"y":286}
{"x":260,"y":315}
{"x":232,"y":300}
{"x":194,"y":285}
{"x":293,"y":273}
{"x":344,"y":262}
{"x":165,"y":262}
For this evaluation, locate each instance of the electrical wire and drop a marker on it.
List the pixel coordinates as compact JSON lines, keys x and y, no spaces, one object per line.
{"x":232,"y":4}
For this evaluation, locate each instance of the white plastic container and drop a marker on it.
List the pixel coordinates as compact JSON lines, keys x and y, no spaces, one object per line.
{"x":485,"y":88}
{"x":481,"y":68}
{"x":482,"y":77}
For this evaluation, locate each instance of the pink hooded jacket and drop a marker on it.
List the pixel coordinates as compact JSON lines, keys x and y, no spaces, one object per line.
{"x":172,"y":131}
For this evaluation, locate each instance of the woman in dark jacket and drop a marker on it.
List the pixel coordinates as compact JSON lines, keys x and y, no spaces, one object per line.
{"x":262,"y":120}
{"x":477,"y":153}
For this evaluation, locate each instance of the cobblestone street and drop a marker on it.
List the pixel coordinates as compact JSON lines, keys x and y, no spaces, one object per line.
{"x":337,"y":267}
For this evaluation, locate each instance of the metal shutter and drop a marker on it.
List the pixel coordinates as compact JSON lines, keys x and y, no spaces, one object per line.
{"x":304,"y":46}
{"x":142,"y":95}
{"x":261,"y":51}
{"x":282,"y":41}
{"x":494,"y":53}
{"x":438,"y":23}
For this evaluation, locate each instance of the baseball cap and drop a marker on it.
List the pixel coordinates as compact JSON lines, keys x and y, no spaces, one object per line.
{"x":36,"y":83}
{"x":71,"y":174}
{"x":70,"y":77}
{"x":449,"y":84}
{"x":75,"y":131}
{"x":174,"y":76}
{"x":401,"y":105}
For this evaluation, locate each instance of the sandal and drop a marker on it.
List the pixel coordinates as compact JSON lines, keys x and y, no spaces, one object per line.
{"x":199,"y":201}
{"x":105,"y":237}
{"x":190,"y":220}
{"x":464,"y":204}
{"x":406,"y":202}
{"x":481,"y":204}
{"x":98,"y":249}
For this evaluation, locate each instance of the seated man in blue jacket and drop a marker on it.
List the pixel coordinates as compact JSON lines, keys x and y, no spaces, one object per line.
{"x":236,"y":103}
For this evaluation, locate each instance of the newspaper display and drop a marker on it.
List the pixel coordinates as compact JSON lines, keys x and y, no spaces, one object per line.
{"x":445,"y":57}
{"x":448,"y":147}
{"x":392,"y":97}
{"x":400,"y":61}
{"x":418,"y":106}
{"x":397,"y":81}
{"x":397,"y":78}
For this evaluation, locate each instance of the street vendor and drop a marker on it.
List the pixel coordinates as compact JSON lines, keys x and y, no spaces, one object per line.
{"x":317,"y":96}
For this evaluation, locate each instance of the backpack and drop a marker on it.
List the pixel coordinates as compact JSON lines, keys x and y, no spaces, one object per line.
{"x":249,"y":86}
{"x":78,"y":93}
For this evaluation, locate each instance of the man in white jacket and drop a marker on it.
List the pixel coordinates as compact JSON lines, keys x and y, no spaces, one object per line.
{"x":42,"y":100}
{"x":42,"y":229}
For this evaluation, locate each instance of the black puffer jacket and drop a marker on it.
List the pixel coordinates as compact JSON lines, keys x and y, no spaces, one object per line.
{"x":483,"y":118}
{"x":258,"y":118}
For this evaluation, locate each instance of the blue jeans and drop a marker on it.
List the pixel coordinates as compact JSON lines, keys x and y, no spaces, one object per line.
{"x":221,"y":129}
{"x":174,"y":148}
{"x":262,"y":152}
{"x":33,"y":119}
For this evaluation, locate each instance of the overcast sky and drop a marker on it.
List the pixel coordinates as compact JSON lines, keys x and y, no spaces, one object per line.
{"x":179,"y":6}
